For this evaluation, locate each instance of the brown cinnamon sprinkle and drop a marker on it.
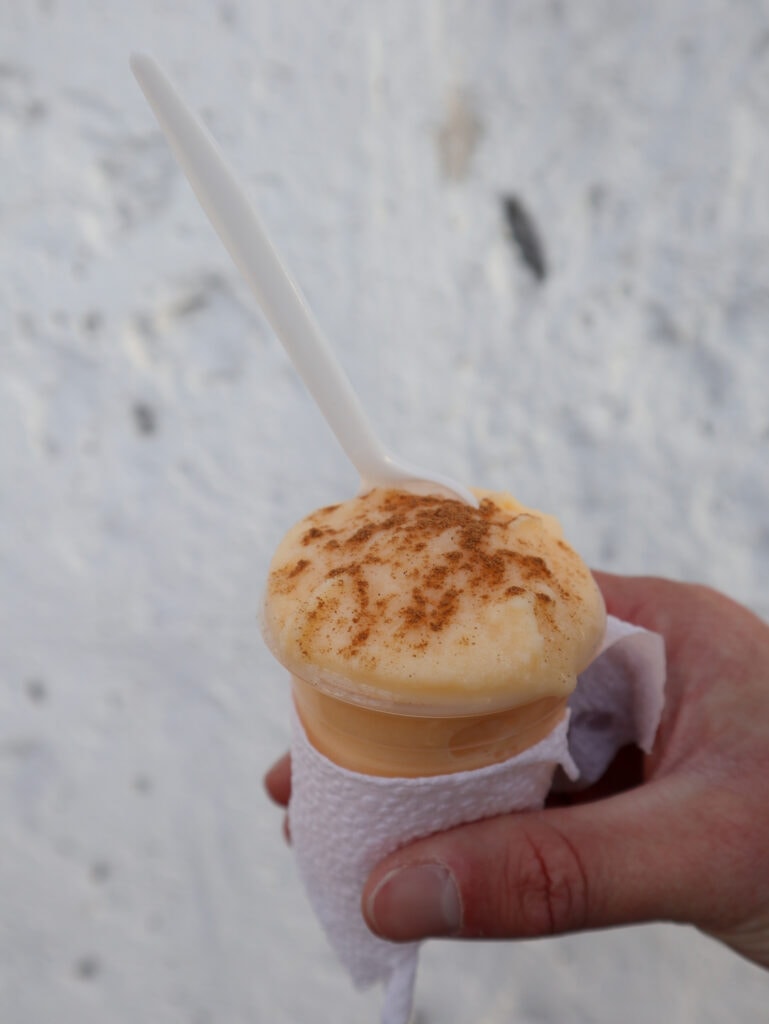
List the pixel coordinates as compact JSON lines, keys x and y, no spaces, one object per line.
{"x":438,"y":549}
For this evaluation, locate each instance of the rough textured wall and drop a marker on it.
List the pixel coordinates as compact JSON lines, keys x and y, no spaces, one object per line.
{"x":538,"y":235}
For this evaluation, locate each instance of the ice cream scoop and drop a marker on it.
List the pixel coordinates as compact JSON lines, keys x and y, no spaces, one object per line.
{"x":425,"y":636}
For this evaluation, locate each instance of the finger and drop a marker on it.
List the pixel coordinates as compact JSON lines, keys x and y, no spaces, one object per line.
{"x":634,"y":857}
{"x":639,"y":599}
{"x":277,"y":781}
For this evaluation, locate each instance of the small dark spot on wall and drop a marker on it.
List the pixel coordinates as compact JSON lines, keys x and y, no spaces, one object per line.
{"x":145,"y":326}
{"x":597,"y":196}
{"x":707,"y":427}
{"x":228,"y":14}
{"x":155,"y":923}
{"x":143,"y":784}
{"x":26,"y":748}
{"x":525,"y":236}
{"x":27,"y":325}
{"x":101,"y":870}
{"x":92,"y":321}
{"x":88,"y":967}
{"x":145,"y":419}
{"x":556,"y":10}
{"x":663,"y":325}
{"x":36,"y":690}
{"x":36,"y":110}
{"x":192,"y":303}
{"x":11,"y":71}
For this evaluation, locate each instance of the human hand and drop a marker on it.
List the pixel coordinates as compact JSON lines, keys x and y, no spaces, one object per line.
{"x":681,"y":835}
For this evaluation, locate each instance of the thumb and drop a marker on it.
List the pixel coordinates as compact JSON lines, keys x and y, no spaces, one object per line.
{"x":634,"y":857}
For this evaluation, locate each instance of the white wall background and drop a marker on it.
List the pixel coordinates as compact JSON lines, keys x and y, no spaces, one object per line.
{"x":155,"y":443}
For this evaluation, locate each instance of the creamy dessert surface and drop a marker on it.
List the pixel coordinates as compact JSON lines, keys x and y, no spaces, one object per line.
{"x":431,"y":604}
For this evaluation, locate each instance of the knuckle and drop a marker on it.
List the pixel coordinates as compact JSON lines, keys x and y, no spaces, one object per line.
{"x":550,"y":883}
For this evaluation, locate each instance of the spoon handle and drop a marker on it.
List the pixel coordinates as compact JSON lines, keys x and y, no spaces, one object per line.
{"x":236,"y":222}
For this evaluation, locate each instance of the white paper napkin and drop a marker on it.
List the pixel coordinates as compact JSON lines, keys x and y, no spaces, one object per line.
{"x":343,"y":823}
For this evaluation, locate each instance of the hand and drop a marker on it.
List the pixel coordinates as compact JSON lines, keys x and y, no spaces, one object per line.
{"x":681,"y":835}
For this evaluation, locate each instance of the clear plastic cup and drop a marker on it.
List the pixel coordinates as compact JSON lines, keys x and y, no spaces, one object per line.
{"x":374,"y":741}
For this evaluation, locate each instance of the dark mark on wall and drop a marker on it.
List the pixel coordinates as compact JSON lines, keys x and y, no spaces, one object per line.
{"x":597,"y":196}
{"x":145,"y":419}
{"x":143,"y":784}
{"x":524,"y":233}
{"x":100,"y":871}
{"x":192,"y":303}
{"x":228,"y":14}
{"x":92,"y":321}
{"x":36,"y":690}
{"x":87,"y":968}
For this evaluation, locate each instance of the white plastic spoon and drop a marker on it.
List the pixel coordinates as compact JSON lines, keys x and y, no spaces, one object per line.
{"x":229,"y":210}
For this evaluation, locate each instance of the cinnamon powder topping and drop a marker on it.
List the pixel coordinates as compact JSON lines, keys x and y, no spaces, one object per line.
{"x":402,"y":568}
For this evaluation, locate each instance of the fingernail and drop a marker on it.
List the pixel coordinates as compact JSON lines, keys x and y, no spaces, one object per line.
{"x":414,"y":902}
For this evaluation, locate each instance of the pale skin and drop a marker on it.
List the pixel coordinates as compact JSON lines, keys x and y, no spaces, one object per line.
{"x":681,"y":835}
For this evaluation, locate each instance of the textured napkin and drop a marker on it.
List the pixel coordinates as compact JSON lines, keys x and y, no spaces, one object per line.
{"x":343,"y":823}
